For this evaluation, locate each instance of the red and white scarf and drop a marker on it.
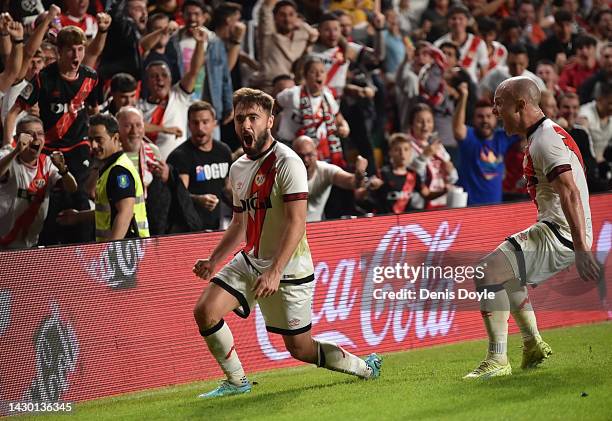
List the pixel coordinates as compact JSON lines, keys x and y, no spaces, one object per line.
{"x":329,"y":148}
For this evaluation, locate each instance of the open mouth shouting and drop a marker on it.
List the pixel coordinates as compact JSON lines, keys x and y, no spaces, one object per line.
{"x":248,"y":140}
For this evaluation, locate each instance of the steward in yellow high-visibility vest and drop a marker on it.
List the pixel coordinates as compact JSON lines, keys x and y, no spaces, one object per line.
{"x":120,"y":207}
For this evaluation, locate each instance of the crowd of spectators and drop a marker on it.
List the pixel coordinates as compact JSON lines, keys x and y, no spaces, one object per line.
{"x":388,"y":102}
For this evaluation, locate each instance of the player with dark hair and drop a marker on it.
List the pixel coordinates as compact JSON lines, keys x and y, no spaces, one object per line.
{"x":275,"y":269}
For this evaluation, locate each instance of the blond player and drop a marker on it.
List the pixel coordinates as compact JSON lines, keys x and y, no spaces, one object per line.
{"x":270,"y":192}
{"x":561,"y":236}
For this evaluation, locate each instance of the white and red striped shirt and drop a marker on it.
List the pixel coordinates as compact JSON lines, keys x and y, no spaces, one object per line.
{"x":550,"y":152}
{"x":473,"y":54}
{"x":260,"y":190}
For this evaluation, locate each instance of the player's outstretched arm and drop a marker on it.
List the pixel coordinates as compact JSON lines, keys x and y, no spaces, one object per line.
{"x":569,"y":196}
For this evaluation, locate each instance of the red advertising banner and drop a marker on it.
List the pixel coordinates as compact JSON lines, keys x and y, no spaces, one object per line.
{"x":96,"y":320}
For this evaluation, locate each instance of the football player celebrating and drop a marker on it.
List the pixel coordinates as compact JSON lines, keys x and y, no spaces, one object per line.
{"x":270,"y":192}
{"x":561,"y":236}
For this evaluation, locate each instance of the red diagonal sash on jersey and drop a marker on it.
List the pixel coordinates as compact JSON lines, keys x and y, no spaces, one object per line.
{"x":400,"y":205}
{"x":471,"y":52}
{"x":37,"y":189}
{"x":261,"y":189}
{"x":497,"y":55}
{"x":156,"y":119}
{"x":64,"y":123}
{"x":569,"y":142}
{"x":338,"y":62}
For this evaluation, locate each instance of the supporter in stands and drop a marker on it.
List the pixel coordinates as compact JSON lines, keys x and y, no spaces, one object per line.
{"x":407,"y":81}
{"x":596,"y":117}
{"x":124,"y":92}
{"x":482,"y":149}
{"x":165,"y":109}
{"x":474,"y":56}
{"x":434,"y":21}
{"x":122,"y":51}
{"x":547,"y":71}
{"x":13,"y":32}
{"x":560,"y":45}
{"x":603,"y":75}
{"x":26,"y":179}
{"x":64,"y":91}
{"x":400,"y":182}
{"x":516,"y":65}
{"x":601,"y":24}
{"x":75,"y":14}
{"x":569,"y":106}
{"x":120,"y":205}
{"x":548,"y":104}
{"x":182,"y":44}
{"x":582,"y":66}
{"x":280,"y":83}
{"x":322,"y":176}
{"x":283,"y":39}
{"x":310,"y":109}
{"x":498,"y":53}
{"x":221,"y":59}
{"x":202,"y":164}
{"x":430,"y":158}
{"x":336,"y":54}
{"x":154,"y":44}
{"x":528,"y":17}
{"x":32,"y":62}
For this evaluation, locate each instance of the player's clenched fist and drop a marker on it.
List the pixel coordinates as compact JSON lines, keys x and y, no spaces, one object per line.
{"x":204,"y":268}
{"x":266,"y":284}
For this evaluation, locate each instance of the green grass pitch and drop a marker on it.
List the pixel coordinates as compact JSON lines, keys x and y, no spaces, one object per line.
{"x":418,"y":384}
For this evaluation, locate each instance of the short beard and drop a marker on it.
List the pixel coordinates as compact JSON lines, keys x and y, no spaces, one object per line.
{"x":481,"y":134}
{"x":259,"y":143}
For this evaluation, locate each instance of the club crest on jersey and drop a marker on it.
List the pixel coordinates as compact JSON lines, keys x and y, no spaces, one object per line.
{"x":39,"y":183}
{"x":260,"y":179}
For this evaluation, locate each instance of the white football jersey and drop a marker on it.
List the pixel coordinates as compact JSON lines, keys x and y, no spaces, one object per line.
{"x":260,"y":189}
{"x":552,"y":151}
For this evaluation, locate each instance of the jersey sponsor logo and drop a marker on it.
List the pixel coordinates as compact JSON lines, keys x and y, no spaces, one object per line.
{"x":59,"y":108}
{"x":123,"y":181}
{"x":254,"y":203}
{"x":214,"y":171}
{"x":399,"y":195}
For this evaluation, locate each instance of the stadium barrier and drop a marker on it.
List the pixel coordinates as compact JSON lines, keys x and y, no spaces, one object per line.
{"x":95,"y":320}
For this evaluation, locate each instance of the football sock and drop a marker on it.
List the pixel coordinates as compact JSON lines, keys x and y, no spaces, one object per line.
{"x":334,"y":358}
{"x":495,"y":313}
{"x":522,"y":311}
{"x":220,"y":342}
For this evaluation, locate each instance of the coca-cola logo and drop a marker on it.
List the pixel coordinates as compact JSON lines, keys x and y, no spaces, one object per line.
{"x":380,"y":320}
{"x":117,"y":265}
{"x":57,"y":350}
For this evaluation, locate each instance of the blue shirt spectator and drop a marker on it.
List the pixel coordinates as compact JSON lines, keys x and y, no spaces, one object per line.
{"x":482,"y":148}
{"x":481,"y":169}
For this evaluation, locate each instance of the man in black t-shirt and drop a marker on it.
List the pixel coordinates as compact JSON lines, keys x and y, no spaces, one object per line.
{"x":62,"y":91}
{"x":203,"y":164}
